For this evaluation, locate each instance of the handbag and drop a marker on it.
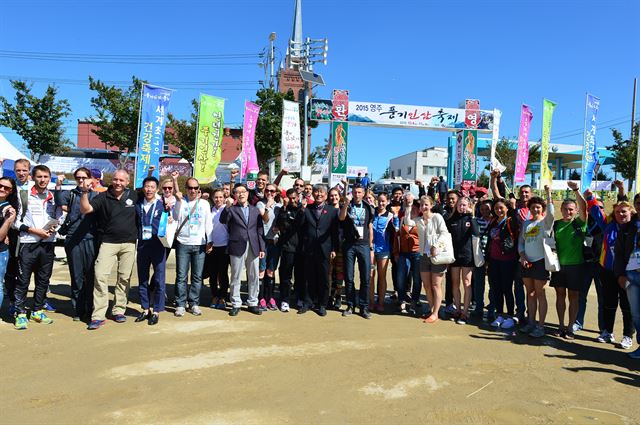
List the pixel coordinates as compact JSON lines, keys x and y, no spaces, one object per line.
{"x":444,"y":245}
{"x":478,"y":254}
{"x":551,"y":261}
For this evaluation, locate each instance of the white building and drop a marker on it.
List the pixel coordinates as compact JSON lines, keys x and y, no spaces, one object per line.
{"x":420,"y":165}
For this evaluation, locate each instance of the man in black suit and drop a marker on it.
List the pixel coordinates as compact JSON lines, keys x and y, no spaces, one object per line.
{"x":246,"y":246}
{"x":319,"y":224}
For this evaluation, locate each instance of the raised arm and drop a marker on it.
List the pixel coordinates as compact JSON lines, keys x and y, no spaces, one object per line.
{"x":85,"y":205}
{"x":549,"y":217}
{"x":493,"y":184}
{"x":582,"y":204}
{"x":620,"y":186}
{"x":347,"y":201}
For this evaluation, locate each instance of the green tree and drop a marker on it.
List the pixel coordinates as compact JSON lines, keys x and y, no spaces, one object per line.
{"x":183,"y":132}
{"x":601,"y":176}
{"x":386,"y":174}
{"x":269,"y":127}
{"x":38,"y":120}
{"x":624,"y":154}
{"x":319,"y":154}
{"x":117,"y":114}
{"x":507,"y":152}
{"x":483,"y":179}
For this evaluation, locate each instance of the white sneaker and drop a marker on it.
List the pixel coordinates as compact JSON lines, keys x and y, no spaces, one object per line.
{"x":575,"y":328}
{"x":284,"y":307}
{"x":498,"y":322}
{"x":195,"y":310}
{"x":606,"y":337}
{"x":626,"y":342}
{"x":179,"y":312}
{"x":508,"y":324}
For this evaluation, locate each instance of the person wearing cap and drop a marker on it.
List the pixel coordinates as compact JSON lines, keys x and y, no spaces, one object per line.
{"x":98,"y":182}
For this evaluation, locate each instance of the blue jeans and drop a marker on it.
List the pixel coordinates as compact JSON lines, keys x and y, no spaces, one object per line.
{"x":592,"y":273}
{"x":633,"y":293}
{"x":406,"y":262}
{"x":189,"y":256}
{"x":362,"y":254}
{"x":4,"y":260}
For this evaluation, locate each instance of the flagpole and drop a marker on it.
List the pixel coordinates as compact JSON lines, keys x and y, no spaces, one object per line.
{"x":135,"y":164}
{"x":195,"y":150}
{"x":633,"y":120}
{"x":584,"y":144}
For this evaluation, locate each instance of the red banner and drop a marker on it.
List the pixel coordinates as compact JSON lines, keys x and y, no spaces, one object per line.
{"x":471,"y":113}
{"x":340,"y":110}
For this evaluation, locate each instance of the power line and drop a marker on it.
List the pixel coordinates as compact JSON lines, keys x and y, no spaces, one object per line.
{"x":136,"y":56}
{"x":127,"y":83}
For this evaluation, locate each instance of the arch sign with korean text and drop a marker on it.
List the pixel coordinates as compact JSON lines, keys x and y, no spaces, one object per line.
{"x":341,"y":112}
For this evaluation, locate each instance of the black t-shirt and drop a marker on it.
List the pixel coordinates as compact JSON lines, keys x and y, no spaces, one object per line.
{"x":360,"y":216}
{"x":116,"y":217}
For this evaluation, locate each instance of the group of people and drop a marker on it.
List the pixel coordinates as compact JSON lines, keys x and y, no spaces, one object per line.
{"x":449,"y":244}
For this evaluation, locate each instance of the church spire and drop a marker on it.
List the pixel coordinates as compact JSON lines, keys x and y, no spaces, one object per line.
{"x":296,"y":35}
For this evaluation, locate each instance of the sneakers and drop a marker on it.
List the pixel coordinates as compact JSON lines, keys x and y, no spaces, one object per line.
{"x":40,"y":317}
{"x":626,"y":342}
{"x":635,"y":354}
{"x":450,"y":309}
{"x":462,"y":320}
{"x":272,"y":305}
{"x":300,"y":303}
{"x":49,"y":307}
{"x":364,"y":313}
{"x":528,"y":328}
{"x":498,"y":322}
{"x":537,"y":332}
{"x":347,"y":312}
{"x":284,"y":307}
{"x":120,"y":318}
{"x":262,"y":305}
{"x":195,"y":310}
{"x":179,"y":312}
{"x":95,"y":324}
{"x":21,"y":322}
{"x":508,"y":324}
{"x":576,"y":327}
{"x":606,"y":337}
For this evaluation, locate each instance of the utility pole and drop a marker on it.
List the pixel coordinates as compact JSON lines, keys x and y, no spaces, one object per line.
{"x":633,"y":107}
{"x":272,"y":39}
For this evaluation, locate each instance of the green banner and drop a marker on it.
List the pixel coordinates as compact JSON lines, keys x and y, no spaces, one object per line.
{"x":469,"y":156}
{"x":209,"y":138}
{"x":547,"y":114}
{"x":339,"y":135}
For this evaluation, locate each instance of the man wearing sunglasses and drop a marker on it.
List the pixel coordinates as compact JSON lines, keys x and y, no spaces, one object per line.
{"x":79,"y":243}
{"x":193,"y":216}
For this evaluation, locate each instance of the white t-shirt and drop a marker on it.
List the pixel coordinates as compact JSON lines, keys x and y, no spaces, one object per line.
{"x":198,"y":225}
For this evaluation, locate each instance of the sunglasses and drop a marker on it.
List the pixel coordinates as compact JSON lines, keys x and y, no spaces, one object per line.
{"x":193,"y":187}
{"x":6,"y":188}
{"x":298,"y":185}
{"x":168,"y":188}
{"x":271,"y":191}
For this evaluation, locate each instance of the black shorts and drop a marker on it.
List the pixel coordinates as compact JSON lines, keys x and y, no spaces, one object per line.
{"x":536,"y":271}
{"x":427,"y":266}
{"x":570,"y":277}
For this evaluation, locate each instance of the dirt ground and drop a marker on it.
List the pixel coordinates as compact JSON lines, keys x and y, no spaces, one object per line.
{"x":284,"y":368}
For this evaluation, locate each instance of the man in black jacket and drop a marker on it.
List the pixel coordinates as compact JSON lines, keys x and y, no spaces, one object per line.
{"x":319,"y":224}
{"x":291,"y":252}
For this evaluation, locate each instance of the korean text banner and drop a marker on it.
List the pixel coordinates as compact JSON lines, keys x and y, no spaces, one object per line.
{"x":589,"y":153}
{"x":523,"y":144}
{"x":249,"y":156}
{"x":407,"y":116}
{"x":153,"y":117}
{"x":471,"y":113}
{"x":495,"y":135}
{"x":290,"y":151}
{"x":458,"y":159}
{"x":340,"y":110}
{"x":547,"y":113}
{"x":209,"y":138}
{"x":339,"y":136}
{"x":469,"y":156}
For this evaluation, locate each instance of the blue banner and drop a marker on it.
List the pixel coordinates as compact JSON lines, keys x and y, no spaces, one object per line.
{"x":589,"y":153}
{"x":153,"y":118}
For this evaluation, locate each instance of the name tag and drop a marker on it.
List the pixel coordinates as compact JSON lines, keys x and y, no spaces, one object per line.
{"x":588,"y":241}
{"x":146,"y":233}
{"x":360,"y":230}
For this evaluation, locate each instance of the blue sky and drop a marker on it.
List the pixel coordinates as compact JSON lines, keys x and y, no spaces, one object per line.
{"x":409,"y":52}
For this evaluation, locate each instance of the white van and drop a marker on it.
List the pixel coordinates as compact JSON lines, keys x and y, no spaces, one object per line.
{"x":387,"y":185}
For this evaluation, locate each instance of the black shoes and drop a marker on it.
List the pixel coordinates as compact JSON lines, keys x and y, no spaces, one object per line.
{"x":322,"y":312}
{"x":153,"y":319}
{"x":255,"y":310}
{"x":303,"y":309}
{"x":364,"y":312}
{"x":142,"y":317}
{"x":234,"y":311}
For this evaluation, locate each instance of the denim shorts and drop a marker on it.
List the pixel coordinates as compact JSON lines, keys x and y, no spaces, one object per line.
{"x":381,"y":255}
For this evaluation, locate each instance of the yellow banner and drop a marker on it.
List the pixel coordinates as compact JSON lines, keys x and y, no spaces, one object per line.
{"x":545,"y":173}
{"x":209,"y":138}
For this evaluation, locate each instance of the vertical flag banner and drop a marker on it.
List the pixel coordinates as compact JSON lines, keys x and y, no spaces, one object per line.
{"x":469,"y":156}
{"x":153,"y":119}
{"x":340,"y":108}
{"x":458,"y":163}
{"x":209,"y":138}
{"x":495,"y":135}
{"x":338,"y":164}
{"x":471,"y":113}
{"x":523,"y":144}
{"x":249,"y":156}
{"x":290,"y":152}
{"x":547,"y":113}
{"x":589,"y":153}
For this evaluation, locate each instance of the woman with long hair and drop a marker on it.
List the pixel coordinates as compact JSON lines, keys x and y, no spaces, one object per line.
{"x":383,"y":226}
{"x":531,"y":249}
{"x":336,"y":265}
{"x":432,"y":227}
{"x":8,"y":208}
{"x":612,"y":293}
{"x":462,"y":227}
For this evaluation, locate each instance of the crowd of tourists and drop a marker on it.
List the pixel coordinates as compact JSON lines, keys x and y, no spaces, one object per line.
{"x":447,"y":244}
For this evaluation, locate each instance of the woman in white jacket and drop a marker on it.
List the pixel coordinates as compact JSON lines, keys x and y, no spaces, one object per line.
{"x":431,"y":227}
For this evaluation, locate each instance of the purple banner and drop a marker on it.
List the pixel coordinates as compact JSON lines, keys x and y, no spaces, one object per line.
{"x":523,"y":144}
{"x":249,"y":157}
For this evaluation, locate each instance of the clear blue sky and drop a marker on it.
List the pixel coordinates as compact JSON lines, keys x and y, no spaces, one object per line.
{"x":434,"y":53}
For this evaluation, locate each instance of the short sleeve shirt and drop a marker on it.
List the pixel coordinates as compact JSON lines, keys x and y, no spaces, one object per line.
{"x":569,"y":241}
{"x":116,"y":218}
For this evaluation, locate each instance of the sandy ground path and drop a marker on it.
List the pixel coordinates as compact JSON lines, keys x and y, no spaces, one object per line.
{"x":285,"y":368}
